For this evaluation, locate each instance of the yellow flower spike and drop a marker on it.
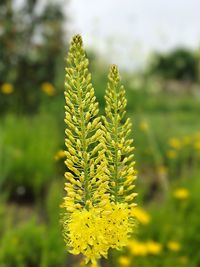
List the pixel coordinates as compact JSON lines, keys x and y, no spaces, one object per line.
{"x":99,"y":157}
{"x":174,"y":246}
{"x":86,"y":179}
{"x":181,"y":193}
{"x":119,"y":155}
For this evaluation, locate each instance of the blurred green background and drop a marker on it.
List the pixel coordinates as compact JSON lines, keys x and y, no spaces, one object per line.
{"x":164,"y":105}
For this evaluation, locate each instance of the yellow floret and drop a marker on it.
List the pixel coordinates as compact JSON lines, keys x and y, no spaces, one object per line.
{"x":92,"y":232}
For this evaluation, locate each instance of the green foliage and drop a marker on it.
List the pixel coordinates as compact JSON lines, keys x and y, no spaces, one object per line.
{"x":173,"y":220}
{"x":54,"y":251}
{"x":31,"y":44}
{"x":23,"y":245}
{"x":180,"y":64}
{"x":29,"y":144}
{"x":28,"y":240}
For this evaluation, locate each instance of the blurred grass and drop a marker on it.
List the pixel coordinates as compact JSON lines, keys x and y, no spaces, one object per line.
{"x":29,"y":144}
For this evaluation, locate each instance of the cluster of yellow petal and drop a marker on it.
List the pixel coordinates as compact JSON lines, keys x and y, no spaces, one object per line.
{"x":119,"y":224}
{"x":92,"y":232}
{"x":87,"y":234}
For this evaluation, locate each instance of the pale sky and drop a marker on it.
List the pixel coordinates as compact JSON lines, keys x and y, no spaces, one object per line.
{"x":126,"y":31}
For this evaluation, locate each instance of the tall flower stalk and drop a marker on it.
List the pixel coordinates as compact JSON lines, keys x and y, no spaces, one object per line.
{"x":100,"y":167}
{"x":86,"y":178}
{"x":119,"y":150}
{"x":120,"y":158}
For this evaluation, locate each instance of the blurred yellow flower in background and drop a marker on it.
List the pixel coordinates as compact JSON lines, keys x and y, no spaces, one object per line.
{"x":124,"y":261}
{"x":154,"y":248}
{"x":143,"y":126}
{"x":181,"y":193}
{"x":60,"y":155}
{"x":175,"y":143}
{"x":174,"y":246}
{"x":141,"y":215}
{"x":7,"y":88}
{"x":171,"y":154}
{"x":48,"y":89}
{"x":138,"y":248}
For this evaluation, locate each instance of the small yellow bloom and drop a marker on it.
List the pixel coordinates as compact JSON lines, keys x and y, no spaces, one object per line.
{"x":143,"y":126}
{"x":60,"y":155}
{"x":141,"y":215}
{"x":181,"y":193}
{"x":175,"y":143}
{"x":183,"y":260}
{"x":154,"y":248}
{"x":48,"y":89}
{"x":171,"y":154}
{"x":7,"y":88}
{"x":138,"y":248}
{"x":173,"y":246}
{"x":92,"y":232}
{"x":124,"y":261}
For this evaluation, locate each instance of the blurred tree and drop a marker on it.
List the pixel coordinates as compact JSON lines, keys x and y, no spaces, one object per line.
{"x":31,"y":47}
{"x":180,"y":64}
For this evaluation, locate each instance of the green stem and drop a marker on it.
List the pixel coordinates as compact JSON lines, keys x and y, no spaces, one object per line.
{"x":115,"y":148}
{"x":83,"y":141}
